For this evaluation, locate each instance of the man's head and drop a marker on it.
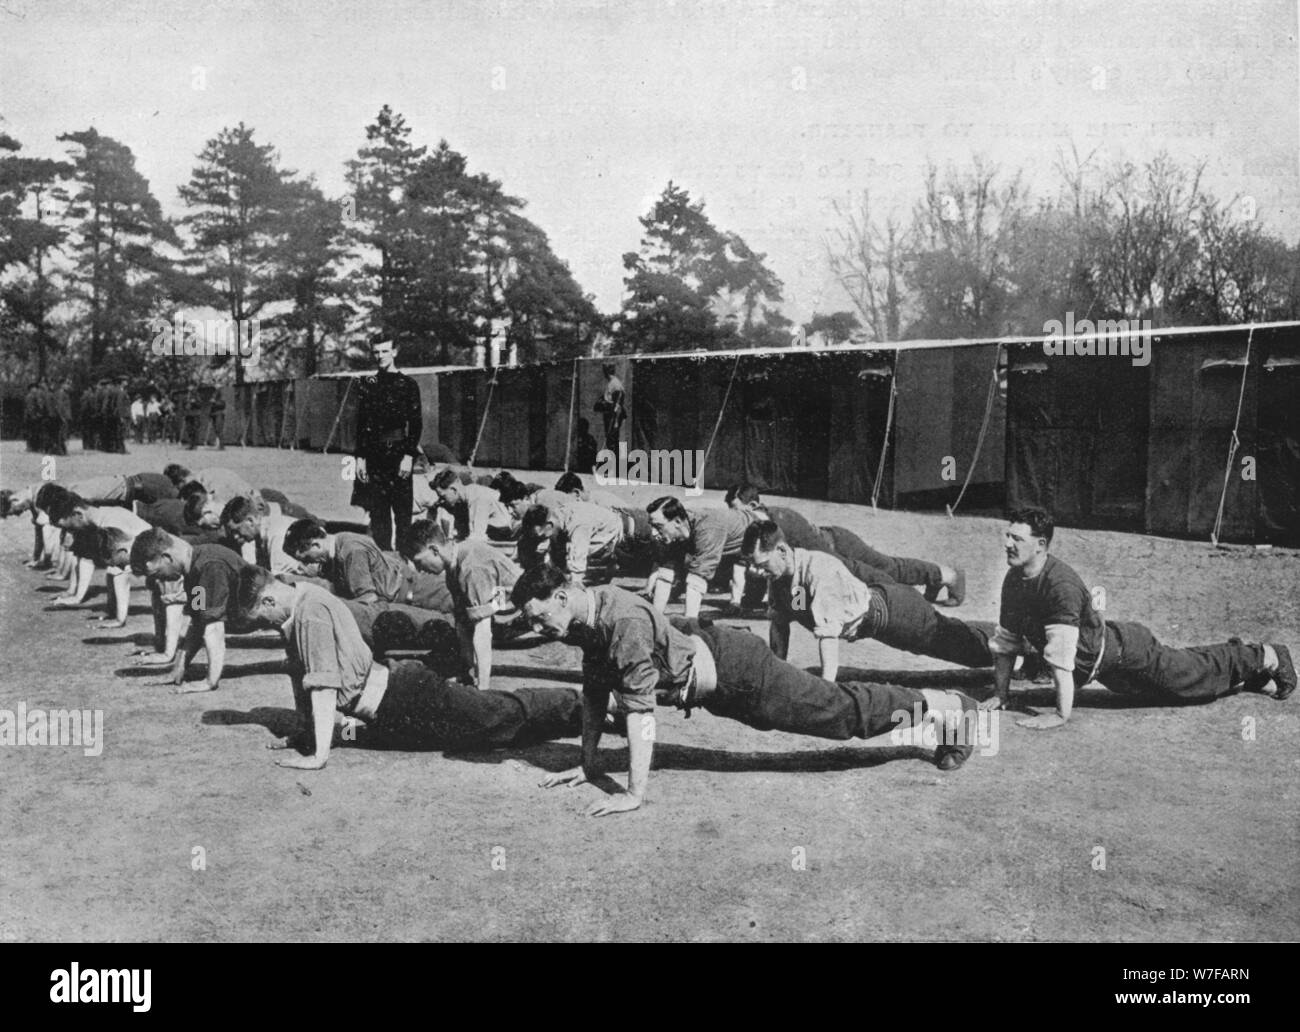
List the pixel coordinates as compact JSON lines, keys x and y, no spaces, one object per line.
{"x":157,"y":554}
{"x":766,"y":551}
{"x":538,"y":522}
{"x":263,"y":598}
{"x":607,"y":368}
{"x":570,"y":483}
{"x":70,"y":512}
{"x":515,"y":497}
{"x":446,"y":485}
{"x":547,"y":600}
{"x":1028,"y":536}
{"x":47,"y":496}
{"x":306,"y":541}
{"x":383,"y":351}
{"x":114,"y":547}
{"x":743,"y":496}
{"x":426,"y":545}
{"x":668,"y":520}
{"x":240,"y":519}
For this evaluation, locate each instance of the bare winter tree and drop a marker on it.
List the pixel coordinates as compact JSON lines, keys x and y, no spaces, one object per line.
{"x":867,"y":259}
{"x":1242,"y":273}
{"x":1145,"y":249}
{"x":958,"y":266}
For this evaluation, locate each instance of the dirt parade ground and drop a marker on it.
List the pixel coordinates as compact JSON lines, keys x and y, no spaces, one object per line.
{"x":1133,"y":822}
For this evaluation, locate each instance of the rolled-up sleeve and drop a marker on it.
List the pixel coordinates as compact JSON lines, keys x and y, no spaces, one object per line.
{"x":1005,"y":643}
{"x":1062,"y":646}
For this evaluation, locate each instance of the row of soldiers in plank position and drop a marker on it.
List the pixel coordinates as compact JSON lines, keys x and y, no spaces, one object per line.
{"x":226,"y":555}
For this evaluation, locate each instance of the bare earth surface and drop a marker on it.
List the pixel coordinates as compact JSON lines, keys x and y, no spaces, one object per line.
{"x":746,"y":835}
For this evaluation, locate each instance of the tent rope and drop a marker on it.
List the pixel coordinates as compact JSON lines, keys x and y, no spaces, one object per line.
{"x":482,"y":425}
{"x":984,"y":428}
{"x":1233,"y":444}
{"x":735,"y":367}
{"x":573,"y":402}
{"x":889,"y":425}
{"x":342,"y":405}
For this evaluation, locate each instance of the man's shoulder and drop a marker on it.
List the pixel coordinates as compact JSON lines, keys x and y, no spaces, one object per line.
{"x":214,"y":554}
{"x":351,"y":541}
{"x":810,"y":564}
{"x":315,"y":602}
{"x":1059,"y":574}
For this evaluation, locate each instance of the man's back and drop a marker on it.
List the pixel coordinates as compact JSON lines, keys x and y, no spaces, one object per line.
{"x":361,"y":569}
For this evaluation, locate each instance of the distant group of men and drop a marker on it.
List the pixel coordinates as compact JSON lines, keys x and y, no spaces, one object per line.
{"x":47,"y":416}
{"x":479,"y":563}
{"x":107,"y":415}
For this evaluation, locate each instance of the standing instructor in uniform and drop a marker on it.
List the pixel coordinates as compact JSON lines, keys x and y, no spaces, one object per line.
{"x":387,"y":442}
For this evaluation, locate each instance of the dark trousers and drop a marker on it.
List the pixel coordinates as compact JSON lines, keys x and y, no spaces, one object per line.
{"x":767,"y":693}
{"x":217,"y":428}
{"x":1135,"y":662}
{"x":366,"y":613}
{"x":848,"y":545}
{"x":390,"y":500}
{"x":191,"y":432}
{"x":422,"y":710}
{"x":907,"y":621}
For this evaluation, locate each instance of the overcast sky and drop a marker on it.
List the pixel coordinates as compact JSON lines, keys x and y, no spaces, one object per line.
{"x":766,"y":111}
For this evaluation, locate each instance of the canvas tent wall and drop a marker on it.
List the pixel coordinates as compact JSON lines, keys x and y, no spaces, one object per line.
{"x":1196,"y":389}
{"x":943,"y":397}
{"x":1077,"y":435}
{"x":1103,"y":442}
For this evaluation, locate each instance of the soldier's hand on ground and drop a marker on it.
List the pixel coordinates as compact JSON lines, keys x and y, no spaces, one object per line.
{"x":620,"y":803}
{"x":994,"y":702}
{"x":301,"y":762}
{"x":1042,"y":722}
{"x":573,"y":778}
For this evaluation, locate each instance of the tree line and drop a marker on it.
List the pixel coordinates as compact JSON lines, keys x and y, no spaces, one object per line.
{"x":445,"y":261}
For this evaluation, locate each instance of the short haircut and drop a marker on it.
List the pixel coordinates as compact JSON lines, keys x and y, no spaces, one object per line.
{"x":302,"y":533}
{"x":109,"y":540}
{"x":63,"y":505}
{"x":195,"y":503}
{"x":503,"y":478}
{"x":176,"y":473}
{"x":569,"y":483}
{"x":762,"y":534}
{"x":444,"y":478}
{"x":538,"y":582}
{"x":191,"y":487}
{"x":513,"y":492}
{"x":420,"y":535}
{"x":149,"y":545}
{"x":237,"y":510}
{"x":1039,"y":521}
{"x":535,"y":518}
{"x":46,"y":496}
{"x":672,"y":508}
{"x":252,"y":581}
{"x":745,"y":492}
{"x":607,"y":368}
